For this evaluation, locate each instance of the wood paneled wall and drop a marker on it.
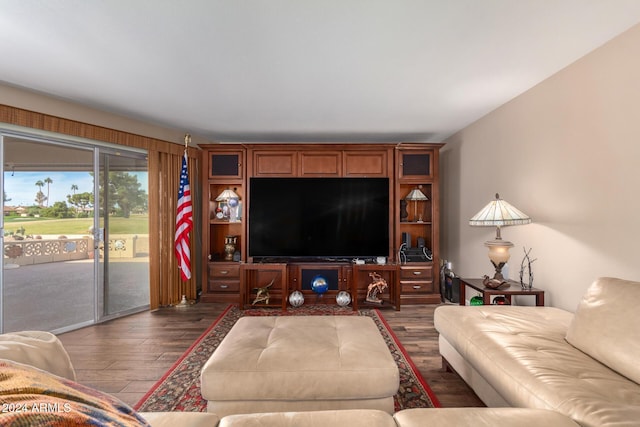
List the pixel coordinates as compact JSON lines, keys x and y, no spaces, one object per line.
{"x":164,"y":175}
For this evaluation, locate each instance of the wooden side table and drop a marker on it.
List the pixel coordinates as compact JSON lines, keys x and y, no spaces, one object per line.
{"x":514,"y":288}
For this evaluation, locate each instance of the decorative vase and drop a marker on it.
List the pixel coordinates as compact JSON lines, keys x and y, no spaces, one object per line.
{"x":404,"y":214}
{"x":230,"y":247}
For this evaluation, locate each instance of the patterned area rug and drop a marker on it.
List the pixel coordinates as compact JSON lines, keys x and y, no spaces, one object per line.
{"x":179,"y":388}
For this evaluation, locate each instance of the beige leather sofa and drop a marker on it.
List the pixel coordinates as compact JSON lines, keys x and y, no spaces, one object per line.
{"x":583,"y":364}
{"x":42,"y":350}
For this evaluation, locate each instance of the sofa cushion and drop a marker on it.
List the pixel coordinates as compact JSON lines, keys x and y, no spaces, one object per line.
{"x":37,"y":348}
{"x":605,"y":325}
{"x":180,"y":419}
{"x":32,"y":397}
{"x":481,"y":417}
{"x":339,"y":418}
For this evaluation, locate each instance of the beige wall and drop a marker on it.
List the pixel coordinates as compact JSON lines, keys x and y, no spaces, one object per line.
{"x":567,"y":153}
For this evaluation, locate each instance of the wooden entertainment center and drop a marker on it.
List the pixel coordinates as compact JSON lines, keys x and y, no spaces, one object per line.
{"x":410,"y":270}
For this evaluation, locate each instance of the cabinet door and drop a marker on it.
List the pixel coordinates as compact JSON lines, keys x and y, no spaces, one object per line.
{"x":274,"y":163}
{"x":415,"y":165}
{"x":225,"y":164}
{"x":366,"y":163}
{"x":320,"y":163}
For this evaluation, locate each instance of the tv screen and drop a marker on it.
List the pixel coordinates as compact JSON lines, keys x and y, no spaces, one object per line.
{"x":318,"y":218}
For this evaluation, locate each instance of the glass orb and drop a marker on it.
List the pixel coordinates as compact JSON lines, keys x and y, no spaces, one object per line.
{"x":296,"y":299}
{"x":343,"y":298}
{"x":477,"y":300}
{"x":319,"y":285}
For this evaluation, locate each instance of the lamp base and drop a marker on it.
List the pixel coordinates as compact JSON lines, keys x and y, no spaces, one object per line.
{"x":498,"y":271}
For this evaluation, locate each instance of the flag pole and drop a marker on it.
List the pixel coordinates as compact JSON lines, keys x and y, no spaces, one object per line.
{"x":182,"y":241}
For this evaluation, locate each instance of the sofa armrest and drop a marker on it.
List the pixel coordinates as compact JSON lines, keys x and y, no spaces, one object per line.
{"x":37,"y":348}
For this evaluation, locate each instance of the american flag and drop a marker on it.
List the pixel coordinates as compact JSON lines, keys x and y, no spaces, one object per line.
{"x":184,"y":222}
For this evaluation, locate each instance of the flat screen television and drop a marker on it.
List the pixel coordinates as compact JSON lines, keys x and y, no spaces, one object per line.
{"x":323,"y":219}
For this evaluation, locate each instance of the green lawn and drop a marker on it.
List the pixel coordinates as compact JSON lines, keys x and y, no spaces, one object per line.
{"x":137,"y":224}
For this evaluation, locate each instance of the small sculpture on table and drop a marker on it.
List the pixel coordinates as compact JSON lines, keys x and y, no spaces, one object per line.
{"x":262,"y":294}
{"x":526,"y":268}
{"x":377,"y":286}
{"x":493,"y":283}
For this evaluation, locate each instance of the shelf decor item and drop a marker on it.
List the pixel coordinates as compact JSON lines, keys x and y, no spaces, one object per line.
{"x":526,"y":267}
{"x":416,"y":195}
{"x":343,"y":298}
{"x":319,"y":285}
{"x":476,"y":300}
{"x":498,"y":213}
{"x":404,"y":214}
{"x":377,"y":286}
{"x":296,"y":299}
{"x":226,"y":200}
{"x":262,"y":294}
{"x":230,"y":247}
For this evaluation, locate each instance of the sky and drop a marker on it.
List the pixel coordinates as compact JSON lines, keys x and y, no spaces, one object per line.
{"x":21,"y":187}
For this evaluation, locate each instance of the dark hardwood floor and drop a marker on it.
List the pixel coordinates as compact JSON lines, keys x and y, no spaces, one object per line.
{"x":125,"y":357}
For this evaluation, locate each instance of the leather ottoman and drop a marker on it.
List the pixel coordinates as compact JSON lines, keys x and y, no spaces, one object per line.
{"x":300,"y":363}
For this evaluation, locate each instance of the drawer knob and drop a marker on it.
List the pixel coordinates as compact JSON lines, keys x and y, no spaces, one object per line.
{"x":416,"y":286}
{"x":224,"y":286}
{"x":417,"y":273}
{"x":224,"y":271}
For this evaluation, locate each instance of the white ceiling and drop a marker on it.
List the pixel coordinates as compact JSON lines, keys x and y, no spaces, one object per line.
{"x":300,"y":70}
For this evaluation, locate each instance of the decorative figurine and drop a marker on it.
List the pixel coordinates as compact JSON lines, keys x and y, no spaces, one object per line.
{"x":526,"y":268}
{"x":377,"y":286}
{"x":262,"y":294}
{"x":493,"y":283}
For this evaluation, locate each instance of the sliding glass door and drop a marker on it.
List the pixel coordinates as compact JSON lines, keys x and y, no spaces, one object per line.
{"x":74,"y":233}
{"x":124,"y":228}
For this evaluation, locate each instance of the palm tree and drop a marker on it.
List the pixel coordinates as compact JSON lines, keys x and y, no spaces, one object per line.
{"x":74,"y":188}
{"x":48,"y":181}
{"x":40,"y":195}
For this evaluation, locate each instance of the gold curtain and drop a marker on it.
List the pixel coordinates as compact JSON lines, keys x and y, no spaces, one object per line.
{"x":165,"y":162}
{"x":166,"y":170}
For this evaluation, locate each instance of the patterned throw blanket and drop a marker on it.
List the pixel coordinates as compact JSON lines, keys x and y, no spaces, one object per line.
{"x":32,"y":397}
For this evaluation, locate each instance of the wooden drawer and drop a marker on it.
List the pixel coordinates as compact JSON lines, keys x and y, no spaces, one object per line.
{"x":416,"y":272}
{"x":217,"y":285}
{"x":416,"y":287}
{"x":230,"y":271}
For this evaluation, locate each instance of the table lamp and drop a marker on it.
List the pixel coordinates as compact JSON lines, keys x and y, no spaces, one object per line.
{"x":498,"y":213}
{"x":416,"y":195}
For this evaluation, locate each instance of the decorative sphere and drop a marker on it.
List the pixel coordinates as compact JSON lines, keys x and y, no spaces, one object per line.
{"x":501,"y":301}
{"x":296,"y":299}
{"x":319,"y":285}
{"x":477,"y":300}
{"x":343,"y":298}
{"x":233,"y":202}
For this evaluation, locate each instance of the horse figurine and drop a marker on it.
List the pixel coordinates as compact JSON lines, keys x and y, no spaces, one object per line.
{"x":377,"y":286}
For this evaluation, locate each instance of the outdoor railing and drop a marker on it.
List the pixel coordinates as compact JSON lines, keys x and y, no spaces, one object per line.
{"x":38,"y":251}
